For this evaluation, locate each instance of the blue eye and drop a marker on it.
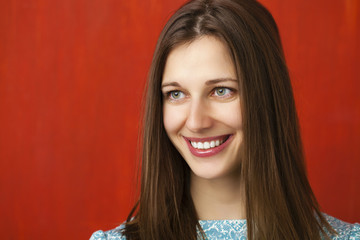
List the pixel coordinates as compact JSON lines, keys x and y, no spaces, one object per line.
{"x":222,"y":91}
{"x":175,"y":95}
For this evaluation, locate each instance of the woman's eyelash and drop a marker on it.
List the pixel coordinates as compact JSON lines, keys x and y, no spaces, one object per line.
{"x":218,"y":91}
{"x":168,"y":93}
{"x":223,"y":91}
{"x":174,"y":95}
{"x":230,"y":88}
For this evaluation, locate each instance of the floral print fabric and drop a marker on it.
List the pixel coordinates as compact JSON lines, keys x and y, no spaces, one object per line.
{"x":236,"y":229}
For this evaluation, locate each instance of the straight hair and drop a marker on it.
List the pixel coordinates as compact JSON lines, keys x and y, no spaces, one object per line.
{"x":279,"y":201}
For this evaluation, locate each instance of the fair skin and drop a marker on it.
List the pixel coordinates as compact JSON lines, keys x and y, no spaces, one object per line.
{"x":202,"y":117}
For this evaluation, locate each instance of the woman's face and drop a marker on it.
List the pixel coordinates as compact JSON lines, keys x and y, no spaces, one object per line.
{"x":202,"y":112}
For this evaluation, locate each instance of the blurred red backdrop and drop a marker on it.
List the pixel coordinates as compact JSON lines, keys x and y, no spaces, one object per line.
{"x":71,"y":80}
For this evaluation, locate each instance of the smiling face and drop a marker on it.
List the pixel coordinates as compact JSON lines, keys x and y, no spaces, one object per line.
{"x":201,"y":107}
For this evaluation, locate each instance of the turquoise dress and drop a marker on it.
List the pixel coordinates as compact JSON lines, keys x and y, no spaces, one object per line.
{"x":236,"y":229}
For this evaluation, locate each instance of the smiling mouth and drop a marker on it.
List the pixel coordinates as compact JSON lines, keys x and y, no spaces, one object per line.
{"x":207,"y":147}
{"x":204,"y":144}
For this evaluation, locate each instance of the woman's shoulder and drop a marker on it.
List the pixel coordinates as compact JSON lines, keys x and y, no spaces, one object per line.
{"x":346,"y":231}
{"x":114,"y":234}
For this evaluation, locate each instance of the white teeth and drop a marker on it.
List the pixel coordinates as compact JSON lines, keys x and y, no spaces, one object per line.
{"x":206,"y":145}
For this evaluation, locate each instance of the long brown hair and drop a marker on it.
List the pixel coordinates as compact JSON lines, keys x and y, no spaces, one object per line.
{"x":279,"y":201}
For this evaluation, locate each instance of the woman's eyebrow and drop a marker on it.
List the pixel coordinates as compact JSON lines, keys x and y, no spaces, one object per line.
{"x":217,"y":80}
{"x":208,"y":82}
{"x":174,"y":84}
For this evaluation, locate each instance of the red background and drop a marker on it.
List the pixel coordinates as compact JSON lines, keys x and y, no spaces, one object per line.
{"x":71,"y":80}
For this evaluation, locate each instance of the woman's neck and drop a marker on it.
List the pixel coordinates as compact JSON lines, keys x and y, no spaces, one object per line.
{"x":217,"y":199}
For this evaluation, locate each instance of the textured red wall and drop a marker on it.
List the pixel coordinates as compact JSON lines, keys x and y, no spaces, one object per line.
{"x":322,"y":46}
{"x":71,"y":80}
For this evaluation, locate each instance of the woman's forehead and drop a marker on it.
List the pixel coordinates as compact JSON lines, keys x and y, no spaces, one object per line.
{"x":204,"y":58}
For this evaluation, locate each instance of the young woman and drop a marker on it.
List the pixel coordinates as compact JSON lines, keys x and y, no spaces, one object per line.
{"x":222,"y":154}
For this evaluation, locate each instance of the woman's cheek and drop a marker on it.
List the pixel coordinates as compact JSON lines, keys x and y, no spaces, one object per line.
{"x":229,"y":114}
{"x":173,"y":119}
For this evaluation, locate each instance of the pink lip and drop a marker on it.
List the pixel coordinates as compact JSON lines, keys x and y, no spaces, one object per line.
{"x":207,"y":152}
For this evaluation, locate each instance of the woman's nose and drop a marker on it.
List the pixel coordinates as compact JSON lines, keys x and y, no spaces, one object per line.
{"x":198,"y":118}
